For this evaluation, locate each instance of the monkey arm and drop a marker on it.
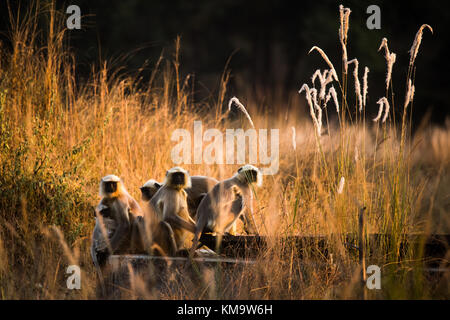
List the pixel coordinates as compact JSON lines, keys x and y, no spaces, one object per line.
{"x":178,"y":222}
{"x":122,"y":231}
{"x":119,"y":236}
{"x":135,"y":208}
{"x":247,"y":217}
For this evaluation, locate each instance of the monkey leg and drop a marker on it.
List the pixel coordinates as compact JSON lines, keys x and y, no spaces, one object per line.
{"x":195,"y":243}
{"x":179,"y":222}
{"x":249,"y":222}
{"x":233,"y":229}
{"x":164,"y":237}
{"x":137,"y":235}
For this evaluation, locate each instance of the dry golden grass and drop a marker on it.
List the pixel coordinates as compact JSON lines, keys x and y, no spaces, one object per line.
{"x":58,"y":138}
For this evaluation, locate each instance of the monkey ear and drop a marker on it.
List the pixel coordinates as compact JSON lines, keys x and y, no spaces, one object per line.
{"x":157,"y":185}
{"x":239,"y":170}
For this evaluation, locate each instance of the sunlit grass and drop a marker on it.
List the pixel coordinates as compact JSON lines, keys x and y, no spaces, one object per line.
{"x":59,"y":137}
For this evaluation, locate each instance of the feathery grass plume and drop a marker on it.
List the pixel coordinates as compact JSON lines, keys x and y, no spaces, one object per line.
{"x":308,"y":93}
{"x":386,"y":109}
{"x":383,"y":45}
{"x":341,"y":23}
{"x":317,"y":74}
{"x":332,"y":93}
{"x":332,"y":75}
{"x":327,"y":78}
{"x":409,"y":93}
{"x":311,"y":106}
{"x":341,"y":185}
{"x":365,"y":86}
{"x":327,"y":60}
{"x":313,"y":92}
{"x":380,"y":110}
{"x":346,"y":22}
{"x":357,"y":83}
{"x":344,"y":58}
{"x":317,"y":106}
{"x":382,"y":102}
{"x":390,"y":64}
{"x":416,"y":44}
{"x":240,"y":106}
{"x":294,"y":139}
{"x":344,"y":14}
{"x":390,"y":60}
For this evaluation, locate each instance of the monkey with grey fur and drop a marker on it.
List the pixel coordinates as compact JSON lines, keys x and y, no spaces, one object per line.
{"x":170,"y":205}
{"x":116,"y":218}
{"x":200,"y":186}
{"x":226,"y":202}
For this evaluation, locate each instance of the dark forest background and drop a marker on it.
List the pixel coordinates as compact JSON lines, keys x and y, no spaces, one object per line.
{"x":268,"y":42}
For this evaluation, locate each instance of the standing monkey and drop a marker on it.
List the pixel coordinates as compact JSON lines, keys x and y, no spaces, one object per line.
{"x":226,"y":202}
{"x":170,"y":204}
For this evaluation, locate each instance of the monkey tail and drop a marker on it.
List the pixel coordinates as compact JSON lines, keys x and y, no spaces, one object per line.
{"x":170,"y":234}
{"x":99,"y":271}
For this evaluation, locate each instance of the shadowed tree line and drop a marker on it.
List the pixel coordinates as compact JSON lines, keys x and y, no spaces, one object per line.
{"x":267,"y":41}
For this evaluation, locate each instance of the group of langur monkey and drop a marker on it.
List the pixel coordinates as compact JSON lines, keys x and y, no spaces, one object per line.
{"x":179,"y":206}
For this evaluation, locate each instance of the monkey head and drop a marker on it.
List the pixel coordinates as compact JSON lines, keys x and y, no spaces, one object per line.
{"x":103,"y":210}
{"x":177,"y":178}
{"x":111,"y":186}
{"x":149,"y":189}
{"x":250,"y":174}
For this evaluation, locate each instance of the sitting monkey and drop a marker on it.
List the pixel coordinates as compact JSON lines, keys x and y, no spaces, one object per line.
{"x":117,"y":218}
{"x":169,"y":204}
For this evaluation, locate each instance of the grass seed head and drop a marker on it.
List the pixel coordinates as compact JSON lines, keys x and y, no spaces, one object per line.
{"x":365,"y":86}
{"x":325,"y":57}
{"x":240,"y":106}
{"x":416,"y":44}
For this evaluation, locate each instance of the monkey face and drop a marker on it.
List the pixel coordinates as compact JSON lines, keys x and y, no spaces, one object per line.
{"x":110,"y":186}
{"x":178,"y":178}
{"x":147,"y":193}
{"x":251,"y":174}
{"x":149,"y":189}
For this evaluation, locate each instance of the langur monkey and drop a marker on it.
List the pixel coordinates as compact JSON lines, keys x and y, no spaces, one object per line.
{"x":220,"y":208}
{"x":162,"y":233}
{"x":162,"y":236}
{"x":200,"y":186}
{"x":170,"y":205}
{"x":149,"y":189}
{"x":118,"y":217}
